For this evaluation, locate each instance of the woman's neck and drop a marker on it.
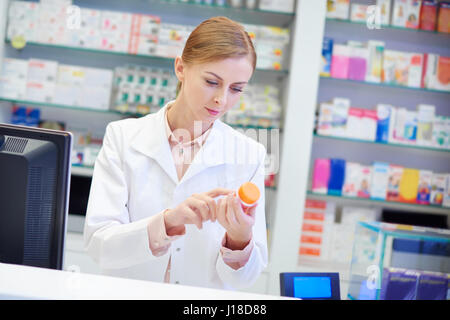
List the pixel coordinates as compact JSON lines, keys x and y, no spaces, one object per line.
{"x":179,"y":116}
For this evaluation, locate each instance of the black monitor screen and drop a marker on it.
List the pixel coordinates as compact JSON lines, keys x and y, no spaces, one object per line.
{"x":34,"y":184}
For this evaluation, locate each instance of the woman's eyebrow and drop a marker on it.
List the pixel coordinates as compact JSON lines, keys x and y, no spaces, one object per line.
{"x":215,"y":75}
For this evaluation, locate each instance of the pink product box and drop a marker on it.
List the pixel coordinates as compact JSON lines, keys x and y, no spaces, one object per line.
{"x":321,"y":175}
{"x":357,"y":65}
{"x":340,"y":61}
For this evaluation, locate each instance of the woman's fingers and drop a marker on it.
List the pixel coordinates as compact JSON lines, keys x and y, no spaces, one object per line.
{"x":221,"y":212}
{"x":219,"y":192}
{"x":192,"y":217}
{"x":231,"y":216}
{"x":199,"y":206}
{"x":210,"y":202}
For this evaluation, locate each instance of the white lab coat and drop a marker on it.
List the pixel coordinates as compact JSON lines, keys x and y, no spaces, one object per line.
{"x":135,"y":178}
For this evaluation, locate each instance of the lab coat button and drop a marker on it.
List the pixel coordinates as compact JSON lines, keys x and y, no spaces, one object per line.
{"x":177,"y":282}
{"x":178,"y":249}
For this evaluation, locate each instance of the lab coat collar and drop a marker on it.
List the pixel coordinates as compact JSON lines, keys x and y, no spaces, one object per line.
{"x":151,"y":140}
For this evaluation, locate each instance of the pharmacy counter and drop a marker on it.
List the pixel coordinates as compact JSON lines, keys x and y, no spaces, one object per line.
{"x":23,"y":282}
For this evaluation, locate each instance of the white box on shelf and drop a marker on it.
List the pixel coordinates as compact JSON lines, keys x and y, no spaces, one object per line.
{"x":277,"y":5}
{"x":380,"y":180}
{"x":437,"y":188}
{"x":375,"y":61}
{"x":11,"y":88}
{"x":96,"y":98}
{"x":43,"y":91}
{"x":358,"y":12}
{"x":352,"y":179}
{"x":14,"y":69}
{"x":399,"y":13}
{"x":425,"y":118}
{"x":385,"y":11}
{"x":338,"y":9}
{"x":95,"y":77}
{"x":70,"y":75}
{"x":42,"y":70}
{"x":69,"y":95}
{"x":415,"y":70}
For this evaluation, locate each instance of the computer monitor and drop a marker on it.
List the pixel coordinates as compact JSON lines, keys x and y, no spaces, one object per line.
{"x":34,"y":192}
{"x":310,"y":286}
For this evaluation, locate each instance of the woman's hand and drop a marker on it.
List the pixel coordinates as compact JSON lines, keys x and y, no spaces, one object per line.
{"x":196,"y":209}
{"x":237,"y":223}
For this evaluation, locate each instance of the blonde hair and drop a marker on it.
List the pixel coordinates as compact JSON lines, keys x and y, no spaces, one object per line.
{"x":215,"y":39}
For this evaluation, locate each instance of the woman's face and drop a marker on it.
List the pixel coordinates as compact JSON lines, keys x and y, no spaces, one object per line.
{"x":211,"y":89}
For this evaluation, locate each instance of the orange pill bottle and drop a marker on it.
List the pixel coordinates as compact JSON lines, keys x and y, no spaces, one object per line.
{"x":248,"y":195}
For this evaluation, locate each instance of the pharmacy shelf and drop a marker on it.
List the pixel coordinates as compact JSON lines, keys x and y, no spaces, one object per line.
{"x":392,"y":145}
{"x":87,"y":171}
{"x":385,"y":85}
{"x":388,"y":28}
{"x":220,"y":10}
{"x":157,"y":60}
{"x":53,"y":105}
{"x":84,"y":171}
{"x":418,"y":208}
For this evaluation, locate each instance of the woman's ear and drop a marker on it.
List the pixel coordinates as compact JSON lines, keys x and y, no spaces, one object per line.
{"x":179,"y":68}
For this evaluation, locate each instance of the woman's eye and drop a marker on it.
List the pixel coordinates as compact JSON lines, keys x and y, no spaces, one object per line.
{"x":211,"y":82}
{"x":236,"y":89}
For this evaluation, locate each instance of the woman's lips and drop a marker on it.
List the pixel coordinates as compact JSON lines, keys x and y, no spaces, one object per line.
{"x":212,"y":112}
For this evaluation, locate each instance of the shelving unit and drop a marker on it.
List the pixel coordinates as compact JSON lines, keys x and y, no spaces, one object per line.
{"x":367,"y":202}
{"x":406,"y":147}
{"x":366,"y":95}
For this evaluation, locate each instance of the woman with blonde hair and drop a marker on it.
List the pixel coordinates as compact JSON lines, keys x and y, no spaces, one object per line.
{"x":162,"y":205}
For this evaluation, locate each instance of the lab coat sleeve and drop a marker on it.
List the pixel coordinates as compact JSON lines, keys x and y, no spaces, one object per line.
{"x":111,"y":239}
{"x":246,"y":275}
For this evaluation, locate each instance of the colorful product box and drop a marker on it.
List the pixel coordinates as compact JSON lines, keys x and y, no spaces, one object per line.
{"x":425,"y":118}
{"x":338,"y":9}
{"x":357,"y":63}
{"x":369,"y":124}
{"x":365,"y":181}
{"x":443,"y":23}
{"x":321,"y":175}
{"x":428,"y":15}
{"x":340,"y":61}
{"x":441,"y":132}
{"x":436,"y":73}
{"x":409,"y":184}
{"x":446,"y":201}
{"x":399,"y":13}
{"x":437,"y":188}
{"x":398,"y":284}
{"x":354,"y":123}
{"x":358,"y":12}
{"x":410,"y":130}
{"x":389,"y":65}
{"x":327,"y":51}
{"x":385,"y":11}
{"x":375,"y":61}
{"x":415,"y":70}
{"x":413,"y":15}
{"x":337,"y":176}
{"x":431,"y":286}
{"x":393,"y":189}
{"x":380,"y":179}
{"x":424,"y":189}
{"x":385,"y":122}
{"x":352,"y":179}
